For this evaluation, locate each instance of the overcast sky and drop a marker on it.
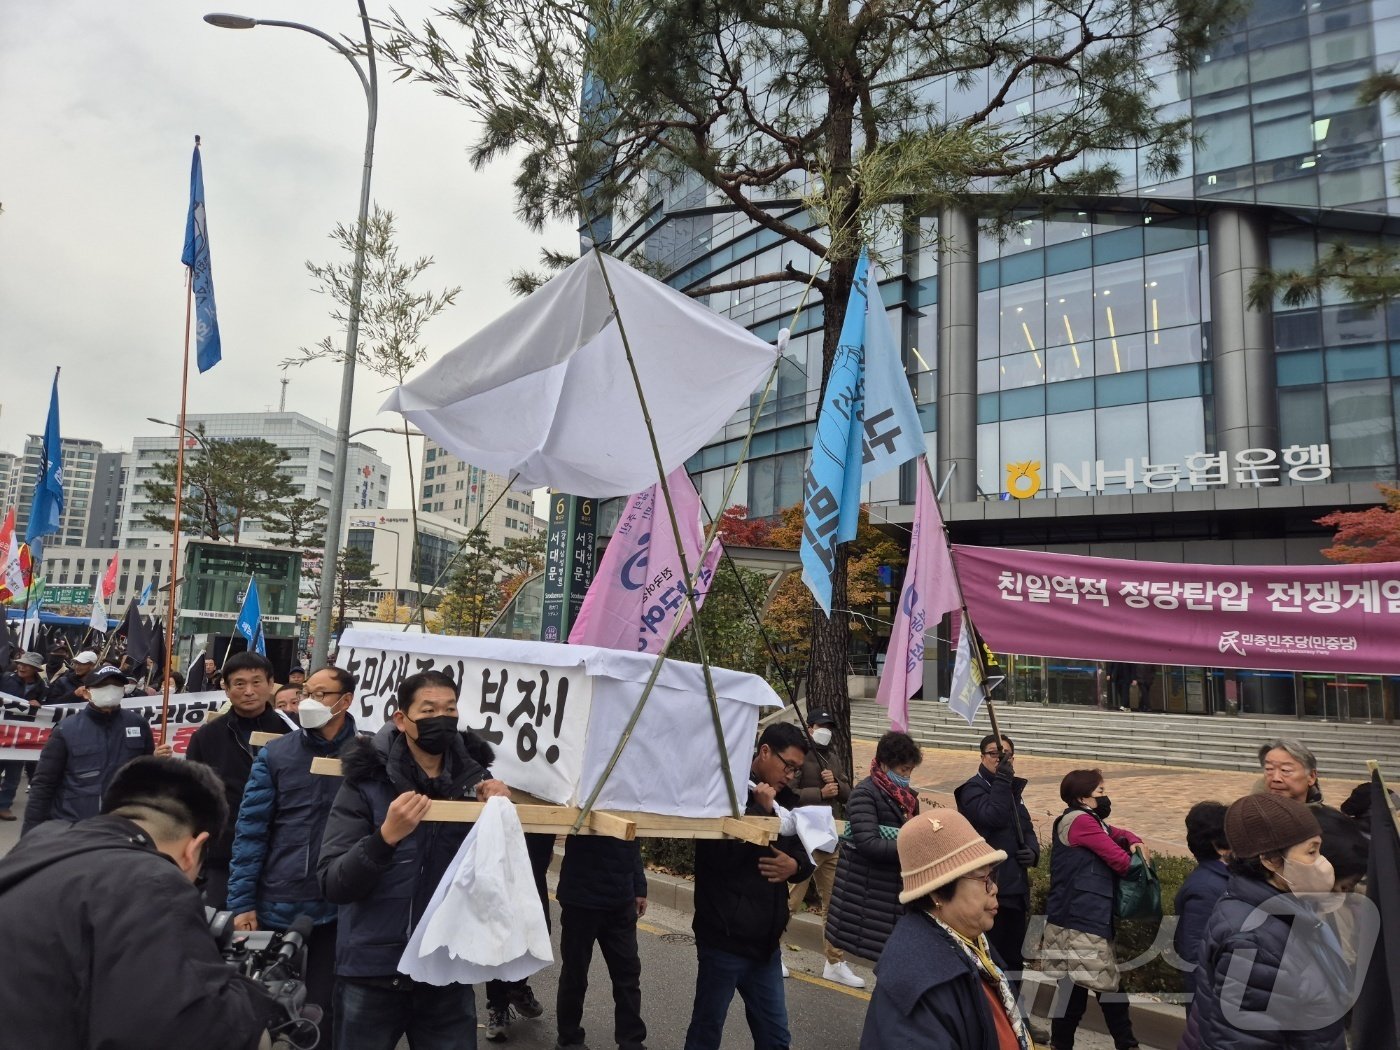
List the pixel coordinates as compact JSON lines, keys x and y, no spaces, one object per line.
{"x":99,"y":105}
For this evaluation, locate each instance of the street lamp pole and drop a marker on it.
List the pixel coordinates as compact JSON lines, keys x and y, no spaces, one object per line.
{"x":335,"y":515}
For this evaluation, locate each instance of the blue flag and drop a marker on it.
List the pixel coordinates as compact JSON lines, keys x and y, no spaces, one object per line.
{"x":831,"y":489}
{"x":146,"y":593}
{"x":196,"y":257}
{"x":893,"y":433}
{"x":249,"y":623}
{"x":46,"y":512}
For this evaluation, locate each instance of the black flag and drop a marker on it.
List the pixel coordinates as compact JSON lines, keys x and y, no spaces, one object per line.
{"x":157,"y":655}
{"x":6,"y":646}
{"x":1375,"y":1021}
{"x":194,"y":682}
{"x":138,"y":639}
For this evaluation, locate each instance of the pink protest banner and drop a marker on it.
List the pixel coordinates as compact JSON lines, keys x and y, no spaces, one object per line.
{"x":1331,"y":618}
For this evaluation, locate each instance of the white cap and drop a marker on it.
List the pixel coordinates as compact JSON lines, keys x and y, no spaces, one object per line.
{"x":87,"y":656}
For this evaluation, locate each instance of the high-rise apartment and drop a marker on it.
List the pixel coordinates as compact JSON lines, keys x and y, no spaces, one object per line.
{"x":455,"y":489}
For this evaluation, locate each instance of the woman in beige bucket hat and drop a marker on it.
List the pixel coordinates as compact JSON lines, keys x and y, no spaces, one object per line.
{"x":939,"y":986}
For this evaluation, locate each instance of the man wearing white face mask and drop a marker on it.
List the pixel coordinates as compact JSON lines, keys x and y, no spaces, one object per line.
{"x":277,"y":840}
{"x":84,"y":752}
{"x":819,"y":784}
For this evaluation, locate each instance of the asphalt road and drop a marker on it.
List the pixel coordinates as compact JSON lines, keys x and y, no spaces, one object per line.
{"x":822,"y":1015}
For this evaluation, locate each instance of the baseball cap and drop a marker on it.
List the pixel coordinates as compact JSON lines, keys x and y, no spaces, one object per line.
{"x":820,"y":718}
{"x":107,"y":675}
{"x":87,"y":656}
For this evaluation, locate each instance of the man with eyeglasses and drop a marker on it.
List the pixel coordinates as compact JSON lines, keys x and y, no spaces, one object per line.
{"x":741,"y":907}
{"x":277,"y":841}
{"x":991,"y":801}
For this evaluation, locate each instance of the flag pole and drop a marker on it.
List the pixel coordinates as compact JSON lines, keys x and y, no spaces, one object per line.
{"x":975,"y":650}
{"x":179,"y":501}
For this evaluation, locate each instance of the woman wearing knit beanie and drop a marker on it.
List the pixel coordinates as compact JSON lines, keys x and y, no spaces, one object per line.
{"x":940,"y":987}
{"x":1271,"y":971}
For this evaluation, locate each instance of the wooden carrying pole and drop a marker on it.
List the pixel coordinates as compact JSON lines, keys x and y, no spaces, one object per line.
{"x":179,"y":494}
{"x":539,"y":816}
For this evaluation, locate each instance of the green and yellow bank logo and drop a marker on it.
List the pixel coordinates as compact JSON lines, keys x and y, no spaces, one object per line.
{"x":1023,"y":479}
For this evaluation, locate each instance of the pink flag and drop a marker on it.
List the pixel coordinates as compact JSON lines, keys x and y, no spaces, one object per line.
{"x":640,"y":586}
{"x":930,"y":591}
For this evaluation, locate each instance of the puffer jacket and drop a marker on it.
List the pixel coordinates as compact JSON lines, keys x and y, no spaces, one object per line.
{"x":280,"y":824}
{"x":737,"y":910}
{"x":865,"y":899}
{"x":1194,"y":902}
{"x":383,"y":890}
{"x":1286,"y":971}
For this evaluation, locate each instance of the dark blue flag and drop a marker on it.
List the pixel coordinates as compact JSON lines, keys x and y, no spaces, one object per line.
{"x":46,"y":512}
{"x":196,"y":257}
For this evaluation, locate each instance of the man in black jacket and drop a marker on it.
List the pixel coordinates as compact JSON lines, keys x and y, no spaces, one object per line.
{"x":84,"y":752}
{"x":223,"y":745}
{"x":104,"y":918}
{"x":741,"y":907}
{"x":602,"y":893}
{"x":26,"y":683}
{"x":381,"y":862}
{"x":991,"y":801}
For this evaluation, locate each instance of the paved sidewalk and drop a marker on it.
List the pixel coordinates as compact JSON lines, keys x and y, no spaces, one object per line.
{"x":1149,"y":800}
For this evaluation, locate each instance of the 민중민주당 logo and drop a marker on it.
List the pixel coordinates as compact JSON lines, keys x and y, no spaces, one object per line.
{"x":1023,"y":479}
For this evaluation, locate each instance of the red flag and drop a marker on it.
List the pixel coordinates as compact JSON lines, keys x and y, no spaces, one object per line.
{"x":109,"y":578}
{"x":12,"y":582}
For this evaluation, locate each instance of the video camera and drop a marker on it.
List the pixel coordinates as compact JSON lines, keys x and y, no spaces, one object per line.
{"x":275,"y":959}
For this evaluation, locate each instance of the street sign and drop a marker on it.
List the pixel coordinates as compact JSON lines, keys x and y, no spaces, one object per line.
{"x":68,"y":595}
{"x":568,"y":566}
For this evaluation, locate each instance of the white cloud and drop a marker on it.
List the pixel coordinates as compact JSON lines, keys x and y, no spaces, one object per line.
{"x":99,"y":104}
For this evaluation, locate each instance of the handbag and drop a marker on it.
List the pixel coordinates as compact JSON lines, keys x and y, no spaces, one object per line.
{"x":1137,"y":896}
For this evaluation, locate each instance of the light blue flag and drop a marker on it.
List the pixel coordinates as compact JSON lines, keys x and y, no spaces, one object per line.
{"x":196,"y":257}
{"x":46,"y":512}
{"x":893,"y":433}
{"x":146,"y":593}
{"x":831,"y":489}
{"x":249,"y":623}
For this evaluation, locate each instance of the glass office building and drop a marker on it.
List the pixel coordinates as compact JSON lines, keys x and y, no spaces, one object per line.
{"x":1094,"y":382}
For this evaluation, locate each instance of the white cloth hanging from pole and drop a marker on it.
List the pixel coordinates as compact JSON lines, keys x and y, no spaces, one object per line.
{"x":485,"y":921}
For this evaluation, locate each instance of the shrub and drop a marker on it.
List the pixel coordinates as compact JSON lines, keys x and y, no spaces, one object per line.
{"x":674,"y":856}
{"x":1155,"y":975}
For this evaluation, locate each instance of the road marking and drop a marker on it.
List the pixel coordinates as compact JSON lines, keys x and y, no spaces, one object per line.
{"x":855,"y":993}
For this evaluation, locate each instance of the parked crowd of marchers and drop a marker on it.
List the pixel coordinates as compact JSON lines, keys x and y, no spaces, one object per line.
{"x":123,"y":847}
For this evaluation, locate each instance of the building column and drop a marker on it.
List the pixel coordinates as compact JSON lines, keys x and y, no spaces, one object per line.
{"x":1242,"y":339}
{"x":957,"y":352}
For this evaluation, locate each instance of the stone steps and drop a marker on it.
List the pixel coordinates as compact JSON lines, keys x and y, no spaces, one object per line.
{"x":1218,"y":742}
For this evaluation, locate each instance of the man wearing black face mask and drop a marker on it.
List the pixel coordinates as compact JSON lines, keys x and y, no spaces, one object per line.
{"x":381,"y":862}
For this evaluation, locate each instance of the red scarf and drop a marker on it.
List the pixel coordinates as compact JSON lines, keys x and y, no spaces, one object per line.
{"x":903,"y":797}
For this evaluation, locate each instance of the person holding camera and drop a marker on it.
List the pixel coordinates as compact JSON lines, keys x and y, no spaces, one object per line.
{"x":104,"y":920}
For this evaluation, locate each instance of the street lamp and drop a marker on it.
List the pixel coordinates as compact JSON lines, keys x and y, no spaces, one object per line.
{"x":335,"y":516}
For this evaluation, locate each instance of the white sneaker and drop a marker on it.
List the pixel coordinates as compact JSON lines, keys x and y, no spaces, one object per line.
{"x":784,"y":966}
{"x":840,"y":973}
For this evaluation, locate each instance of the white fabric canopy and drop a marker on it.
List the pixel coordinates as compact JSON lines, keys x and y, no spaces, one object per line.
{"x":545,"y":389}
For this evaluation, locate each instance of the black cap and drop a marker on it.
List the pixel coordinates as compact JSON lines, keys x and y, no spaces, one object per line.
{"x":106,"y":675}
{"x":296,"y":669}
{"x":820,"y":718}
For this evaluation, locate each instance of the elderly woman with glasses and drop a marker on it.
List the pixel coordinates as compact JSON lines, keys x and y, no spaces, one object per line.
{"x":865,"y":897}
{"x":941,"y":985}
{"x":1087,"y":855}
